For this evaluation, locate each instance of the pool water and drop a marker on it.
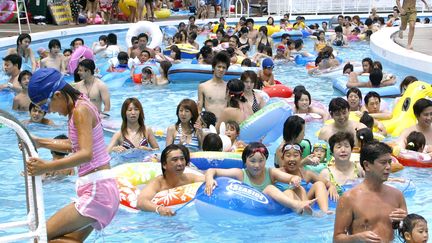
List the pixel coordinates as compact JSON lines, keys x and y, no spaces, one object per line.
{"x":159,"y":106}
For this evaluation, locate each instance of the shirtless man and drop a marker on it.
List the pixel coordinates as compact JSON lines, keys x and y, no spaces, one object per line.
{"x":54,"y":59}
{"x":375,"y":80}
{"x":212,"y":93}
{"x":142,"y":45}
{"x":370,"y":211}
{"x":95,"y":89}
{"x":408,"y":14}
{"x":423,"y":112}
{"x":372,"y":102}
{"x":12,"y":66}
{"x":253,"y":33}
{"x":21,"y":101}
{"x":174,"y":159}
{"x":339,"y":111}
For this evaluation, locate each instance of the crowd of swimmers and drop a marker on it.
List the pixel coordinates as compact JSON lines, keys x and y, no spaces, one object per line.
{"x":221,"y":106}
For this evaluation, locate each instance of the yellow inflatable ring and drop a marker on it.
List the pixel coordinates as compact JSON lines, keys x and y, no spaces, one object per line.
{"x":162,"y":13}
{"x":125,"y":4}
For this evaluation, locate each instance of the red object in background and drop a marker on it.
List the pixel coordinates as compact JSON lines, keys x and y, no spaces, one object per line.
{"x":278,"y":90}
{"x":122,"y":16}
{"x":178,"y":3}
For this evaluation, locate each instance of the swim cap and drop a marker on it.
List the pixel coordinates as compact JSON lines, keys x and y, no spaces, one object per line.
{"x":43,"y":83}
{"x":267,"y":63}
{"x":281,"y":47}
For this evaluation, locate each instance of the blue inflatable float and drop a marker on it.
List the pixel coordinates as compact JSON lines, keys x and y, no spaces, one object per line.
{"x":339,"y":84}
{"x":186,"y":72}
{"x":116,"y":80}
{"x":303,"y":60}
{"x":234,"y":198}
{"x":225,"y":160}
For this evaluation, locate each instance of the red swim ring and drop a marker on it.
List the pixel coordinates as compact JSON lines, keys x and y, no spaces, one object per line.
{"x":278,"y":90}
{"x":6,"y":11}
{"x":137,"y":78}
{"x":414,"y":159}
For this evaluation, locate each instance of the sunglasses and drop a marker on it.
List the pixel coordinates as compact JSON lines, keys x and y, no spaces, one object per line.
{"x":292,"y":146}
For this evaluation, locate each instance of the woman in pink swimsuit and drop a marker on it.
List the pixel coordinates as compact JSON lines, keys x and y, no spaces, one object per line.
{"x":98,"y":197}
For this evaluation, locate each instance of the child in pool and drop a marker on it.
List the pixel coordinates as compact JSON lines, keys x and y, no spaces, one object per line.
{"x":212,"y":142}
{"x":256,"y":174}
{"x":122,"y":63}
{"x":318,"y":156}
{"x":414,"y":229}
{"x":21,"y":101}
{"x":59,"y":155}
{"x":233,"y":132}
{"x":148,"y":77}
{"x":416,"y":141}
{"x":37,"y":116}
{"x":266,"y":74}
{"x":291,"y":163}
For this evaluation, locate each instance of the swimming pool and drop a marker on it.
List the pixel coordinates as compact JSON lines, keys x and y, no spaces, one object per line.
{"x":159,"y":105}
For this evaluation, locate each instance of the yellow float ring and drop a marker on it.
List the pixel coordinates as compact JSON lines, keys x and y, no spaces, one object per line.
{"x":162,"y":13}
{"x":125,"y":4}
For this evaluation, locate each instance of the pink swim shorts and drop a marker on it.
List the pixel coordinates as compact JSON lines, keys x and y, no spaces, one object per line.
{"x":98,"y":197}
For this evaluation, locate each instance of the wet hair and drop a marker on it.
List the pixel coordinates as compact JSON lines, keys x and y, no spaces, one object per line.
{"x":209,"y":118}
{"x":72,"y":44}
{"x":264,"y":30}
{"x":192,"y":17}
{"x":146,"y":51}
{"x":221,"y":57}
{"x":212,"y":142}
{"x":407,"y":81}
{"x":298,"y":88}
{"x":76,"y":76}
{"x":372,"y":151}
{"x":235,"y":89}
{"x":371,"y":94}
{"x":286,"y":35}
{"x":165,"y":66}
{"x":169,"y":149}
{"x":142,"y":35}
{"x":299,"y":94}
{"x":123,"y":56}
{"x":298,"y":43}
{"x":250,"y":20}
{"x":420,"y":106}
{"x":364,"y":136}
{"x":340,"y":137}
{"x":319,"y":33}
{"x":191,"y":106}
{"x":426,"y":20}
{"x":338,"y":29}
{"x":88,"y":64}
{"x":15,"y":59}
{"x":415,"y":141}
{"x":22,"y":37}
{"x":381,"y":20}
{"x":269,"y":19}
{"x":356,"y":91}
{"x":368,"y":60}
{"x":111,"y":39}
{"x":237,"y":40}
{"x":22,"y":74}
{"x":348,"y":66}
{"x":248,"y":74}
{"x":409,"y":223}
{"x":133,"y":39}
{"x":293,"y":126}
{"x":105,"y":38}
{"x":243,"y":31}
{"x":54,"y":43}
{"x":67,"y":50}
{"x":193,"y":35}
{"x":377,"y":64}
{"x":246,"y":62}
{"x":234,"y":125}
{"x":215,"y":42}
{"x":124,"y":108}
{"x":338,"y":104}
{"x":367,"y":120}
{"x":253,"y":148}
{"x":375,"y":77}
{"x":32,"y":105}
{"x":61,"y":136}
{"x":368,"y":21}
{"x":177,"y":52}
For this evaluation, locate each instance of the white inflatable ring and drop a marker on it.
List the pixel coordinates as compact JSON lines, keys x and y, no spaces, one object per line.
{"x":151,"y":29}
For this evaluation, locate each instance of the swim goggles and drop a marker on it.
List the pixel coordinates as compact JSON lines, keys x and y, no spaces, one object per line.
{"x":320,"y":145}
{"x":292,"y":146}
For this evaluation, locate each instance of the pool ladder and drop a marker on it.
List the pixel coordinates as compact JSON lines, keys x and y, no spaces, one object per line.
{"x":34,"y":195}
{"x":19,"y":18}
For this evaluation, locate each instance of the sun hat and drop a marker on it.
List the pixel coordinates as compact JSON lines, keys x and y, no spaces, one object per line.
{"x":43,"y":83}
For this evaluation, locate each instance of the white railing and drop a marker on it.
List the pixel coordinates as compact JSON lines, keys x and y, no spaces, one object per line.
{"x":280,"y":7}
{"x":35,"y":222}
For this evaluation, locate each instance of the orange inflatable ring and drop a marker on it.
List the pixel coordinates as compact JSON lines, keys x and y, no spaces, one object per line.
{"x":310,"y":65}
{"x":278,"y":90}
{"x":137,"y":78}
{"x":395,"y":165}
{"x":182,"y":194}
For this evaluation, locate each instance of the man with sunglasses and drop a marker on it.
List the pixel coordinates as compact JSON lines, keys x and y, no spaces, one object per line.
{"x":339,"y":111}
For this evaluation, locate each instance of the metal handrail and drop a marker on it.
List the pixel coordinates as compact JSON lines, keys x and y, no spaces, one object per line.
{"x":18,"y":13}
{"x":34,"y":194}
{"x":236,"y":15}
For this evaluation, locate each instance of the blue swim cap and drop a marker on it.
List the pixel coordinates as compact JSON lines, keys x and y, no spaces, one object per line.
{"x":43,"y":83}
{"x":267,"y":63}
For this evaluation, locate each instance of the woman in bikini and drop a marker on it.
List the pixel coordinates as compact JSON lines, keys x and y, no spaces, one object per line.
{"x":133,"y":133}
{"x":183,"y":131}
{"x":263,"y":37}
{"x":255,"y":99}
{"x":25,"y":52}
